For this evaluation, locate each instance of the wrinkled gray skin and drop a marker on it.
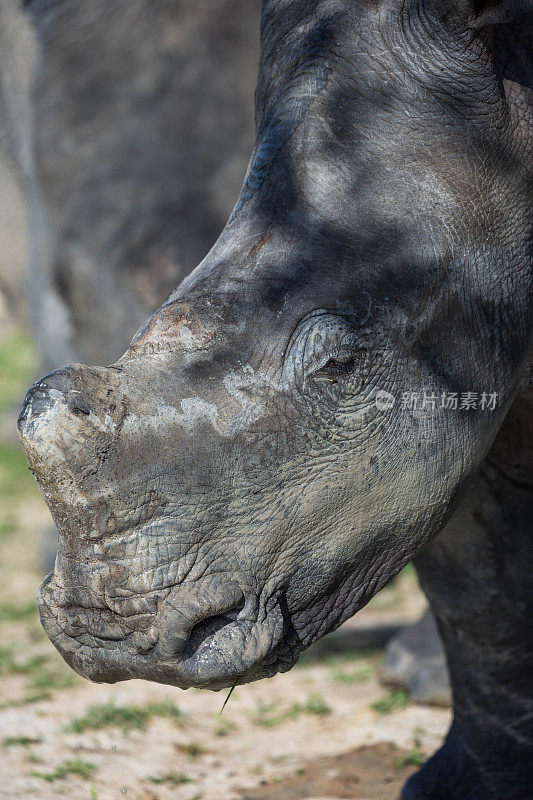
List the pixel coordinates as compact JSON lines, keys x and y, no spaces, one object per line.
{"x":228,"y":491}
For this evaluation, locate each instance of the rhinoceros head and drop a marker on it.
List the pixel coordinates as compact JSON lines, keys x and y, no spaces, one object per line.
{"x":281,"y":436}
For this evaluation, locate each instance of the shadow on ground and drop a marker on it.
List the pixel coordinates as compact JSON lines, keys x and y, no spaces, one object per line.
{"x":377,"y":772}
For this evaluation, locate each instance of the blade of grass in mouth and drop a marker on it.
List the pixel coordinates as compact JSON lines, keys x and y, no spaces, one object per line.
{"x":229,"y":694}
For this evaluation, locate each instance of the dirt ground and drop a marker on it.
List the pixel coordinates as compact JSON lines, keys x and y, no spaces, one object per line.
{"x":327,"y":729}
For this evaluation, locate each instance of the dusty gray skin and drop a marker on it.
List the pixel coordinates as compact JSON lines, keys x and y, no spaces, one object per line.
{"x":229,"y":491}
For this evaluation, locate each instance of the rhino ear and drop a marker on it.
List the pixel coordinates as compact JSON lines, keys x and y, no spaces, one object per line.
{"x":496,"y":12}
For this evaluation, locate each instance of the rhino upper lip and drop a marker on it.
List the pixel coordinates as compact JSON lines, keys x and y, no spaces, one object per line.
{"x":99,"y":617}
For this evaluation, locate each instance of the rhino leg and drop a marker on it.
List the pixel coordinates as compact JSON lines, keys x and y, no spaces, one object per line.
{"x":449,"y":775}
{"x":482,"y":599}
{"x":415,"y":660}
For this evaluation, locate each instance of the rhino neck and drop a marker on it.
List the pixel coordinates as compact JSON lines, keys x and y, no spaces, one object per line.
{"x":477,"y":575}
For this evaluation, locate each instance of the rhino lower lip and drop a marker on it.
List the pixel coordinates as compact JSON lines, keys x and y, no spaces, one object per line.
{"x":101,"y":654}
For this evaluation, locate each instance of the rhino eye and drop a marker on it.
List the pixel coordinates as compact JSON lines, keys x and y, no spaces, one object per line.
{"x":325,"y":347}
{"x":335,"y":369}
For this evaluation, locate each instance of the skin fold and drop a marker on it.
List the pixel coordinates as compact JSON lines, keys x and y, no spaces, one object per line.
{"x":235,"y":486}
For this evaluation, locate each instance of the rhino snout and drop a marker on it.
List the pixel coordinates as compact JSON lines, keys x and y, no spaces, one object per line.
{"x":66,"y":414}
{"x":79,"y":390}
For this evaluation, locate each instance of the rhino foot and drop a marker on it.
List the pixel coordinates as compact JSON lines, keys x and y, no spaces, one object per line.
{"x":449,"y":775}
{"x":415,"y":660}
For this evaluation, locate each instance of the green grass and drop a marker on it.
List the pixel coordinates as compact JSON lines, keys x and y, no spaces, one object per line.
{"x":52,"y":678}
{"x":17,"y":613}
{"x":394,"y":701}
{"x":172,"y":779}
{"x":333,"y":653}
{"x":109,"y":715}
{"x":8,"y":525}
{"x":34,"y":697}
{"x":408,"y":572}
{"x":28,"y":699}
{"x":16,"y":480}
{"x":17,"y":368}
{"x":12,"y":664}
{"x":192,"y":749}
{"x":81,"y":769}
{"x":270,"y":715}
{"x":45,"y":674}
{"x":360,"y":675}
{"x":20,"y":741}
{"x":224,"y":726}
{"x":413,"y":759}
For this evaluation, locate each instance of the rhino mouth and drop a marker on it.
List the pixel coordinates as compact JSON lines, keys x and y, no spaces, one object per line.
{"x":211,"y":645}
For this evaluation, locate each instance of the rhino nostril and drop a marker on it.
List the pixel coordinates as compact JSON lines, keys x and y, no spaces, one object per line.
{"x":80,"y":408}
{"x":192,"y":616}
{"x":208,"y":627}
